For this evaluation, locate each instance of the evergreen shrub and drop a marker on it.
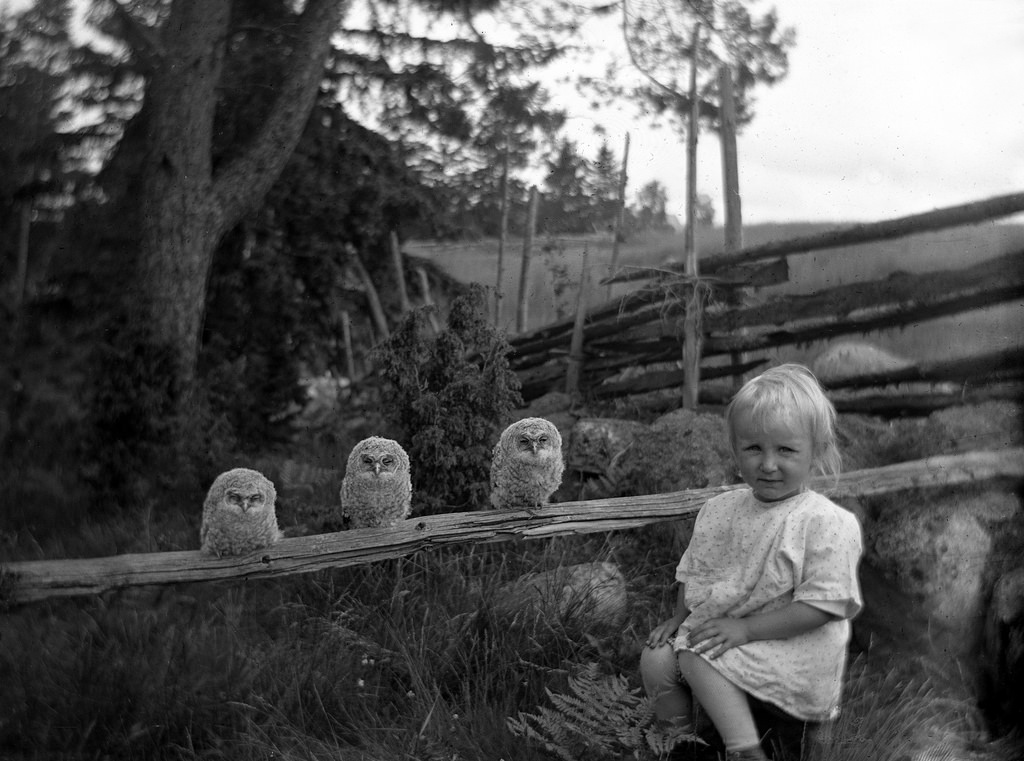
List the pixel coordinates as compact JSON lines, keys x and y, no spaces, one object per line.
{"x":451,"y":394}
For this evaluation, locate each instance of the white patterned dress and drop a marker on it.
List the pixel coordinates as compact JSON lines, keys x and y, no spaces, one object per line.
{"x":747,"y":557}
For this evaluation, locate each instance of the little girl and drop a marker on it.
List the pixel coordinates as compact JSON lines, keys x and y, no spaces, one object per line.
{"x":768,"y":583}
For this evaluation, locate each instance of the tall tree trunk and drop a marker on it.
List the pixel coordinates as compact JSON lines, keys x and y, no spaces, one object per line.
{"x":184,"y":206}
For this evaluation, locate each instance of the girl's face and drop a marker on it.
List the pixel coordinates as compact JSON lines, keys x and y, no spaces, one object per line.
{"x":775,"y":457}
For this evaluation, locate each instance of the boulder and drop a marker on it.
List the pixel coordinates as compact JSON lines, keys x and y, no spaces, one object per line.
{"x":680,"y":450}
{"x":941,"y":565}
{"x":591,"y":594}
{"x":1002,"y":691}
{"x":595,"y":447}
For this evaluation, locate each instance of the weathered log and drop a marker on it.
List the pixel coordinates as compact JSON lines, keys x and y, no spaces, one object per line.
{"x":660,"y":295}
{"x":860,"y":307}
{"x":660,"y":379}
{"x":922,"y":404}
{"x":28,"y":581}
{"x":854,"y":308}
{"x":987,"y":368}
{"x":868,"y":232}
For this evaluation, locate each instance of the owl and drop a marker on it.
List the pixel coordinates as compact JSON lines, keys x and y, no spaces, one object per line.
{"x":527,"y":466}
{"x":239,"y":514}
{"x":377,"y":488}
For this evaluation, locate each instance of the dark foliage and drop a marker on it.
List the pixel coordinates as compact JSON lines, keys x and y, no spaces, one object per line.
{"x":452,"y":394}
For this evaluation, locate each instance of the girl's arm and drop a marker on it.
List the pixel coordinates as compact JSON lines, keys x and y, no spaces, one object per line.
{"x":666,"y":630}
{"x":717,"y":635}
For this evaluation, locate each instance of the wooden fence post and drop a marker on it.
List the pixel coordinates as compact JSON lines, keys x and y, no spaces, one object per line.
{"x":692,"y":320}
{"x":620,"y":214}
{"x":574,"y":369}
{"x":524,"y":271}
{"x":396,"y":260}
{"x":346,"y":337}
{"x":731,"y":200}
{"x":502,"y":235}
{"x":373,"y":300}
{"x":428,"y":300}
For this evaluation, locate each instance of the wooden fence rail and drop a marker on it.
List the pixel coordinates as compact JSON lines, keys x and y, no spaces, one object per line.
{"x":643,"y":328}
{"x":29,"y":581}
{"x":646,"y":333}
{"x":850,"y":235}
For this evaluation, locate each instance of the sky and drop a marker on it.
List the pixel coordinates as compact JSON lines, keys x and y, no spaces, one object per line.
{"x":890,"y":107}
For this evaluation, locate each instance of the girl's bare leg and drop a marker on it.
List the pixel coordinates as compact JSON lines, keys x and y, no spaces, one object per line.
{"x":671,"y":698}
{"x":724,"y":702}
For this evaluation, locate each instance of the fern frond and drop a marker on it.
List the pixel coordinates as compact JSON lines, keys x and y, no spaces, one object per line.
{"x":600,"y":717}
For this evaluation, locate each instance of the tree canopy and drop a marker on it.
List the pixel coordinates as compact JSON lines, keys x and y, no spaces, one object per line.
{"x":224,"y":173}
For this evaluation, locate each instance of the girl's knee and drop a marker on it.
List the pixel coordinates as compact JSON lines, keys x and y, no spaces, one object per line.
{"x":658,"y":666}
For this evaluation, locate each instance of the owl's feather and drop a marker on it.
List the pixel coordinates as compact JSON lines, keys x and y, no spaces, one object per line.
{"x":239,"y":514}
{"x":527,"y":465}
{"x":377,"y":488}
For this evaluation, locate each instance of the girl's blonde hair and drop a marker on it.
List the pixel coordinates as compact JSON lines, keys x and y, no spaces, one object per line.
{"x":791,"y":390}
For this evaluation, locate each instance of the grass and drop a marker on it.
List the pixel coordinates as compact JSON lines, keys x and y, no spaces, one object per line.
{"x":400,"y":659}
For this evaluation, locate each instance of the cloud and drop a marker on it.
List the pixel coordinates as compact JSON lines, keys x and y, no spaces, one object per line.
{"x":890,"y":108}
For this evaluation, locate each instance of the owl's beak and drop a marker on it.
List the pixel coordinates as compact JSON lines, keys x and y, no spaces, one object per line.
{"x":376,"y":468}
{"x":533,"y":446}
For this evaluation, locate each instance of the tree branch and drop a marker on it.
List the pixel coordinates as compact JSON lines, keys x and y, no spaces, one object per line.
{"x":144,"y":41}
{"x":245,"y":180}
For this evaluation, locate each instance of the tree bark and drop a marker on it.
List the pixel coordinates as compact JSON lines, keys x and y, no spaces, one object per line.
{"x":184,"y":205}
{"x":524,"y":265}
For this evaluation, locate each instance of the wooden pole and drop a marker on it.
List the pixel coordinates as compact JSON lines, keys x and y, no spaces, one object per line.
{"x":524,"y":270}
{"x":428,"y":300}
{"x":691,"y":322}
{"x":33,"y":580}
{"x":396,"y":261}
{"x":372,"y":299}
{"x":730,"y":164}
{"x":502,"y":235}
{"x":346,"y":337}
{"x":574,"y":369}
{"x":620,"y":213}
{"x":733,"y":224}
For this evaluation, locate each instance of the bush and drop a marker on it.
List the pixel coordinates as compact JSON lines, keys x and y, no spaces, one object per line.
{"x":452,"y":395}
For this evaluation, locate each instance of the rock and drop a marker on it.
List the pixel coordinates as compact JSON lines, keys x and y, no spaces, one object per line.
{"x":548,"y":404}
{"x":592,"y":594}
{"x":990,"y":425}
{"x":939,"y":553}
{"x":597,"y":444}
{"x":846,"y":359}
{"x":681,"y":450}
{"x":1002,"y":690}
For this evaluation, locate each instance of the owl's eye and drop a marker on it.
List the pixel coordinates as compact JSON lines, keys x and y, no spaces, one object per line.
{"x":234,"y":498}
{"x":256,"y":499}
{"x":543,"y":439}
{"x":523,"y":441}
{"x":389,"y":460}
{"x":367,"y":460}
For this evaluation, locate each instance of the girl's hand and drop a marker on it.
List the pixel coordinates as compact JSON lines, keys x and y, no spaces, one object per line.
{"x":663,"y":632}
{"x":717,"y":635}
